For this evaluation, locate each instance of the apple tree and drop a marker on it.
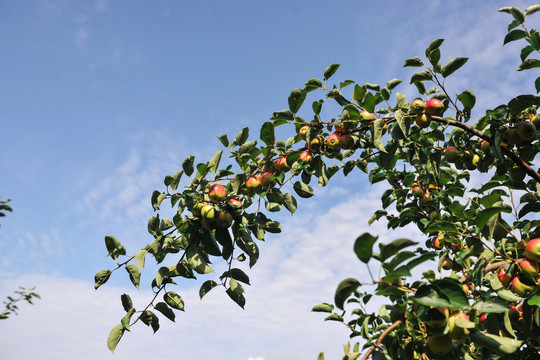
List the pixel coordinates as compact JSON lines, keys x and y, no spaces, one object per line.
{"x":479,"y":297}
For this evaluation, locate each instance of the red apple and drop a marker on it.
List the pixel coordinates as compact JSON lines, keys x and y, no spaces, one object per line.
{"x":417,"y":106}
{"x":236,"y":206}
{"x":504,"y":278}
{"x":366,"y":117}
{"x":303,"y":131}
{"x":332,"y":142}
{"x":223,"y":219}
{"x":520,"y":288}
{"x":268,"y":180}
{"x":485,"y":146}
{"x":305,"y":156}
{"x":253,"y":184}
{"x":529,"y":266}
{"x":482,"y":318}
{"x":437,"y":244}
{"x":425,"y":199}
{"x":451,"y":154}
{"x":347,"y":141}
{"x":532,"y":250}
{"x":314,"y":144}
{"x":434,"y":107}
{"x":281,"y":164}
{"x":417,"y":191}
{"x":423,"y":120}
{"x":447,"y":264}
{"x":217,"y":193}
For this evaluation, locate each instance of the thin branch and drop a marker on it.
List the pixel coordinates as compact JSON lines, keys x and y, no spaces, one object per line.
{"x":381,"y":338}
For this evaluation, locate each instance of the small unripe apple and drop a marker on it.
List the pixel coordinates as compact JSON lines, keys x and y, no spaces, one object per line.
{"x":417,"y":106}
{"x":305,"y":156}
{"x":451,"y":154}
{"x":435,"y":215}
{"x":454,"y":331}
{"x":268,"y":180}
{"x":223,"y":219}
{"x":208,"y":212}
{"x":425,"y":199}
{"x":332,"y":142}
{"x":281,"y":164}
{"x":417,"y":191}
{"x":526,"y":130}
{"x":253,"y":184}
{"x":516,"y":173}
{"x":196,"y":210}
{"x":423,"y":120}
{"x":217,"y":193}
{"x":303,"y":132}
{"x":520,"y":288}
{"x":503,"y":277}
{"x":485,"y":146}
{"x":440,"y":345}
{"x":510,"y":137}
{"x":532,"y":250}
{"x":529,"y":266}
{"x":434,"y":107}
{"x":447,"y":264}
{"x":366,"y":117}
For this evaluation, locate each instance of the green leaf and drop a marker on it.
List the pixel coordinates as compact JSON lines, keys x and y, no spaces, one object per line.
{"x":393,"y":83}
{"x":497,"y":343}
{"x":199,"y":264}
{"x":421,"y":76}
{"x":101,"y":278}
{"x":289,"y":202}
{"x":330,"y":70}
{"x":213,"y":164}
{"x":313,"y":84}
{"x":165,"y":310}
{"x":134,"y":274}
{"x":491,"y":305}
{"x":324,"y":307}
{"x":283,"y":115}
{"x":114,"y":247}
{"x":127,"y":304}
{"x":303,"y":190}
{"x":267,"y":133}
{"x":377,"y":134}
{"x":453,"y":65}
{"x":241,"y":137}
{"x":514,"y":35}
{"x":224,"y":139}
{"x":529,"y":64}
{"x":358,"y":93}
{"x":139,"y":258}
{"x":173,"y":180}
{"x":296,"y":99}
{"x":187,"y":165}
{"x":532,"y":9}
{"x":389,"y":250}
{"x":157,"y":199}
{"x":363,"y":246}
{"x":414,"y":62}
{"x":114,"y":337}
{"x":174,"y":300}
{"x":236,"y":293}
{"x":435,"y":44}
{"x":518,"y":14}
{"x":345,"y":83}
{"x":344,"y":290}
{"x":467,"y":98}
{"x":127,"y":318}
{"x":206,"y":287}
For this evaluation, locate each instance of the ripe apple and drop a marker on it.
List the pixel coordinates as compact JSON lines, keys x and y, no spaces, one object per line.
{"x":253,"y":184}
{"x":223,"y":219}
{"x":529,"y":266}
{"x":482,"y":318}
{"x":303,"y":132}
{"x":447,"y":264}
{"x":526,"y":130}
{"x":417,"y":191}
{"x":305,"y":156}
{"x":454,"y":331}
{"x":268,"y":180}
{"x":347,"y":141}
{"x":425,"y":199}
{"x":366,"y":117}
{"x":434,"y":107}
{"x":281,"y":164}
{"x":437,"y":316}
{"x":520,"y":288}
{"x":332,"y":142}
{"x":208,"y":212}
{"x":485,"y":146}
{"x":314,"y":144}
{"x":236,"y":206}
{"x":440,"y":345}
{"x":451,"y":154}
{"x":423,"y":120}
{"x":217,"y":193}
{"x":504,"y":278}
{"x":342,"y":125}
{"x":437,"y":244}
{"x":532,"y":250}
{"x":417,"y":106}
{"x":516,"y":173}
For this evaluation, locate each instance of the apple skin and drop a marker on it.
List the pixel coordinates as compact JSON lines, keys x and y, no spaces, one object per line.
{"x":510,"y":137}
{"x":223,"y":219}
{"x":482,"y":318}
{"x":305,"y":156}
{"x":217,"y":193}
{"x":472,"y":164}
{"x":208,"y":212}
{"x":347,"y":141}
{"x":425,"y":199}
{"x":314,"y":144}
{"x":516,"y":173}
{"x":208,"y":224}
{"x":196,"y":210}
{"x":268,"y":180}
{"x":447,"y":264}
{"x":504,"y":278}
{"x":455,"y":332}
{"x":485,"y":147}
{"x":520,"y":288}
{"x":423,"y":120}
{"x":437,"y":316}
{"x":303,"y":132}
{"x":434,"y":107}
{"x":529,"y":266}
{"x":437,"y":244}
{"x":536,"y":122}
{"x":417,"y":191}
{"x":253,"y":184}
{"x":532,"y":250}
{"x":451,"y":154}
{"x":235,"y":206}
{"x":526,"y":130}
{"x":417,"y":106}
{"x":332,"y":142}
{"x":366,"y":117}
{"x":281,"y":164}
{"x":440,"y":345}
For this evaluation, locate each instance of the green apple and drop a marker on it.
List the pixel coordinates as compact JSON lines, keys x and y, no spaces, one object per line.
{"x":529,"y":266}
{"x":510,"y":137}
{"x":366,"y":117}
{"x":451,"y":154}
{"x":434,"y":107}
{"x":447,"y":264}
{"x":425,"y":199}
{"x":526,"y":130}
{"x":223,"y":219}
{"x":532,"y":250}
{"x":454,"y":331}
{"x":423,"y":120}
{"x":303,"y":132}
{"x":536,"y":122}
{"x":196,"y":210}
{"x":417,"y":106}
{"x":208,"y":212}
{"x":437,"y":316}
{"x":315,"y":144}
{"x":520,"y":288}
{"x":440,"y":345}
{"x":417,"y":191}
{"x":217,"y":193}
{"x":516,"y":173}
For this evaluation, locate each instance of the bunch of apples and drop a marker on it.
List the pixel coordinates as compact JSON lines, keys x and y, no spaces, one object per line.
{"x":425,"y":110}
{"x":218,"y":212}
{"x":524,"y":281}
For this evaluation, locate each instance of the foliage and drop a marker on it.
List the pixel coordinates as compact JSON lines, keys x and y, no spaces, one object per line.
{"x":464,"y":308}
{"x":26,"y":294}
{"x":4,"y":207}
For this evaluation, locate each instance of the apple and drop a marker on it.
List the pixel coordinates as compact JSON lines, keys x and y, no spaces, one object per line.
{"x":485,"y":146}
{"x":305,"y":156}
{"x":510,"y":137}
{"x":332,"y":142}
{"x":437,"y":316}
{"x":434,"y":107}
{"x":417,"y":106}
{"x":536,"y":122}
{"x":482,"y":318}
{"x":196,"y":210}
{"x":253,"y":184}
{"x":532,"y":250}
{"x":268,"y":180}
{"x":366,"y":117}
{"x":303,"y":132}
{"x":208,"y":212}
{"x":516,"y":173}
{"x":447,"y":264}
{"x":425,"y":199}
{"x":347,"y":141}
{"x":435,"y":215}
{"x":223,"y":219}
{"x":466,"y":288}
{"x":471,"y":163}
{"x":236,"y":206}
{"x":437,"y":244}
{"x":454,"y":331}
{"x":208,"y":224}
{"x":504,"y":277}
{"x":440,"y":345}
{"x":342,"y":125}
{"x":217,"y":193}
{"x":281,"y":164}
{"x":451,"y":154}
{"x":526,"y":130}
{"x":520,"y":288}
{"x":314,"y":144}
{"x":417,"y":191}
{"x":529,"y":266}
{"x":423,"y":120}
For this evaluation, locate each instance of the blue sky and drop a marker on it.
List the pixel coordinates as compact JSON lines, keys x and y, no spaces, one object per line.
{"x":99,"y":100}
